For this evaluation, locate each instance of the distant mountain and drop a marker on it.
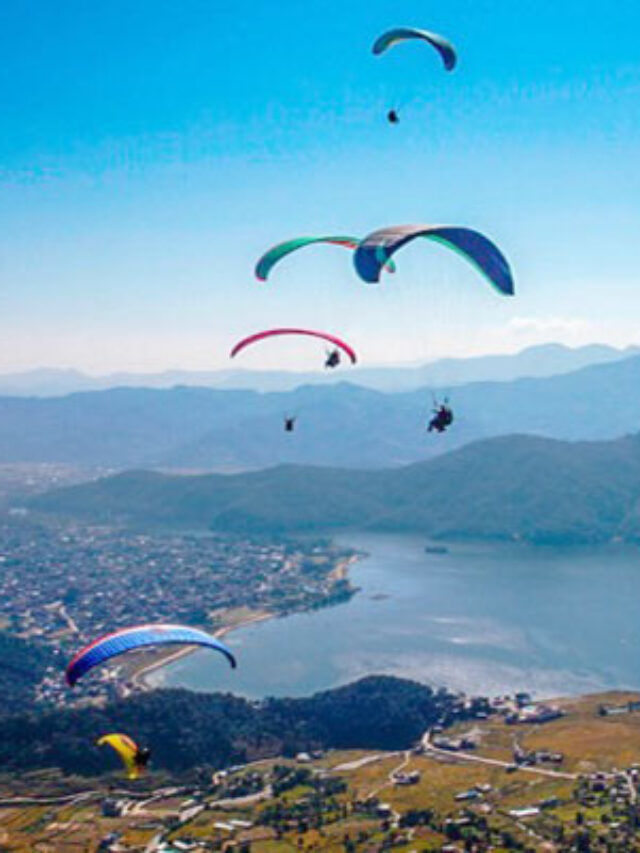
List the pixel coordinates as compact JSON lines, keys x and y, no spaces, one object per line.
{"x":511,"y":488}
{"x":538,"y":361}
{"x":341,"y":425}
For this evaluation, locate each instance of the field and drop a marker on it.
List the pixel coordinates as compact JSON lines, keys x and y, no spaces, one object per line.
{"x":349,"y":800}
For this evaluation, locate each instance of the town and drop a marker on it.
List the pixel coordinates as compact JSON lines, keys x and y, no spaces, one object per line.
{"x":67,"y":583}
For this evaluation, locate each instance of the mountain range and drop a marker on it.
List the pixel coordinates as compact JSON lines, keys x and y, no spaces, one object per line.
{"x":339,"y":425}
{"x":509,"y":488}
{"x":537,"y":361}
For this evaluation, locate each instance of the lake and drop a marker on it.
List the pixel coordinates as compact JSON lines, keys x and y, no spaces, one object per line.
{"x":485,"y":619}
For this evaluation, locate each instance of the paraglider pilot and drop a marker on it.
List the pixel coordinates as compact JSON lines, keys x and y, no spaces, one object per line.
{"x":333,"y":358}
{"x":393,"y":117}
{"x":289,"y":424}
{"x":442,"y":418}
{"x":142,"y":756}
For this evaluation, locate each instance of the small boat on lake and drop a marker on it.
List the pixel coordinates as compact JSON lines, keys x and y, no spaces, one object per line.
{"x":436,"y":549}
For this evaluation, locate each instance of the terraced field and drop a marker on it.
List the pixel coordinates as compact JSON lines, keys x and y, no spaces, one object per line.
{"x":349,"y":800}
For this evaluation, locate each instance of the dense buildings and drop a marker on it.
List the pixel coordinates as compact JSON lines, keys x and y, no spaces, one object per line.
{"x":67,"y":583}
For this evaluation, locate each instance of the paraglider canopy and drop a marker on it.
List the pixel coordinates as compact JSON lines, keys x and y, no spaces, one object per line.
{"x":400,"y":34}
{"x":276,"y":253}
{"x":376,"y":249}
{"x":119,"y":642}
{"x":271,"y":257}
{"x":132,"y":757}
{"x":270,"y":333}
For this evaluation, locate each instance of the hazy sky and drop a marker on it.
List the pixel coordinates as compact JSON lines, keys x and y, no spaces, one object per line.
{"x":150,"y":151}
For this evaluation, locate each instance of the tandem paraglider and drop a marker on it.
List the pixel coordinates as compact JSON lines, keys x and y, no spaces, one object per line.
{"x":442,"y":417}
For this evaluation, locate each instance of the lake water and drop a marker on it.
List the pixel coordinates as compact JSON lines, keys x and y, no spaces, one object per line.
{"x":485,"y":619}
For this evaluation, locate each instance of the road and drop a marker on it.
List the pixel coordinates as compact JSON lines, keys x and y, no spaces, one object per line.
{"x":62,"y":610}
{"x":232,"y":802}
{"x":85,"y":796}
{"x":494,"y":762}
{"x":362,"y":762}
{"x":67,"y":799}
{"x":390,"y":778}
{"x":633,"y":793}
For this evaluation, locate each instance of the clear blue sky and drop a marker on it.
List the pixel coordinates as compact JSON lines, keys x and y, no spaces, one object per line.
{"x":150,"y":151}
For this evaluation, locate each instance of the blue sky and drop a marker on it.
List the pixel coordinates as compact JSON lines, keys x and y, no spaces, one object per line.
{"x":149,"y":152}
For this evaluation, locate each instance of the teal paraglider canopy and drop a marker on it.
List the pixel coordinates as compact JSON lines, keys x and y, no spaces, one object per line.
{"x":376,"y":250}
{"x":400,"y":34}
{"x":276,"y":253}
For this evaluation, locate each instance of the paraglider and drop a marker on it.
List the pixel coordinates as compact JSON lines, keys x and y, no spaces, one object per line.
{"x":133,"y":757}
{"x":377,"y":248}
{"x":400,"y":34}
{"x":340,"y":345}
{"x":276,"y":253}
{"x":442,"y":417}
{"x":141,"y":636}
{"x":333,"y":358}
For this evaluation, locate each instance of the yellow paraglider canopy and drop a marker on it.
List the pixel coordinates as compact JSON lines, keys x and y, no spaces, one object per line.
{"x":128,"y":751}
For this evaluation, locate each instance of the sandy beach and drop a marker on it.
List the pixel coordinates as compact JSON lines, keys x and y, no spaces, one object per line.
{"x":139,"y":674}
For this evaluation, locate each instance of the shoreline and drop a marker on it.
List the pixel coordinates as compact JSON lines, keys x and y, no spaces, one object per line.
{"x":138,"y":676}
{"x":340,"y":572}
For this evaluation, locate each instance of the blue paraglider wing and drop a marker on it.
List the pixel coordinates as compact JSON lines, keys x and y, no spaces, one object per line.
{"x":376,"y":250}
{"x":119,"y":642}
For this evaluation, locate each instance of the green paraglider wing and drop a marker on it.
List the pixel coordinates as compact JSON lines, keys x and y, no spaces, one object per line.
{"x":400,"y":34}
{"x":277,"y":253}
{"x":376,"y":250}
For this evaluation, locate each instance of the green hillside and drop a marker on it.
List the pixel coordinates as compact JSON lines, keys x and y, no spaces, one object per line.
{"x":191,"y":729}
{"x":516,"y":487}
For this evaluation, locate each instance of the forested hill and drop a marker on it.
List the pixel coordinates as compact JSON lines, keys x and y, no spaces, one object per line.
{"x":22,"y":666}
{"x":516,"y":487}
{"x":187,"y":730}
{"x":341,"y":425}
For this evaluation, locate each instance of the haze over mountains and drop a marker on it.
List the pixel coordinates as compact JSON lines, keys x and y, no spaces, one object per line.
{"x":511,"y":488}
{"x":340,"y":425}
{"x":543,"y":360}
{"x":522,"y":482}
